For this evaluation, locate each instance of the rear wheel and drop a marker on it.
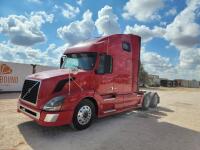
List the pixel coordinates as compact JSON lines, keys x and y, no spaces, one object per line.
{"x":83,"y":115}
{"x":146,"y":102}
{"x":154,"y":100}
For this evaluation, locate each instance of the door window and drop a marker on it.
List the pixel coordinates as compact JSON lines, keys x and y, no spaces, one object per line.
{"x":105,"y":64}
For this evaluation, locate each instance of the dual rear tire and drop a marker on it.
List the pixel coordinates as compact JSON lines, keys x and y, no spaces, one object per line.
{"x":151,"y":100}
{"x":155,"y":99}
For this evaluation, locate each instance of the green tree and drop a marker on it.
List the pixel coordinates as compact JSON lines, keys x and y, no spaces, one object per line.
{"x":143,"y":76}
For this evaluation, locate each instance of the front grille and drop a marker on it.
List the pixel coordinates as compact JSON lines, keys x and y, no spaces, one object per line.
{"x":30,"y":91}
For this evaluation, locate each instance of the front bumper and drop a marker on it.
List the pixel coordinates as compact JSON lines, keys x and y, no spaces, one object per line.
{"x":45,"y":118}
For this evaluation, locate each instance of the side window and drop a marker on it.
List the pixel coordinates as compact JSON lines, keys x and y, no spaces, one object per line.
{"x":105,"y":64}
{"x":126,"y":46}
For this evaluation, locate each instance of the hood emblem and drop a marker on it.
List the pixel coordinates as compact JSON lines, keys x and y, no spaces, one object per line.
{"x":29,"y":90}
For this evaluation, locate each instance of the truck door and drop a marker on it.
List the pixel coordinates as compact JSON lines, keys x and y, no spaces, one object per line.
{"x":104,"y":83}
{"x":123,"y":73}
{"x":122,"y":67}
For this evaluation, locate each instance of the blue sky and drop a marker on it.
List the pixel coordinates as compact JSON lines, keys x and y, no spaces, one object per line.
{"x":36,"y":31}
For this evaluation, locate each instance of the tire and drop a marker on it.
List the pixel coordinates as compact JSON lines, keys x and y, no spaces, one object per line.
{"x":146,"y":101}
{"x":155,"y":99}
{"x":84,"y":114}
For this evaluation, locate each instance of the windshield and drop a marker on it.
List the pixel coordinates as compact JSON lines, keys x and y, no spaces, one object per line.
{"x":85,"y":61}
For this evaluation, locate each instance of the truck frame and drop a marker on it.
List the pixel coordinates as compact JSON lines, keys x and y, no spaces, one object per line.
{"x":97,"y":78}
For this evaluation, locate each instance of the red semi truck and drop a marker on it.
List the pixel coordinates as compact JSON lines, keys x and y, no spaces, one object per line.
{"x":96,"y":79}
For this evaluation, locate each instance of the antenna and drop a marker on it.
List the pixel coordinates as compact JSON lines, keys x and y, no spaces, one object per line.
{"x":107,"y":45}
{"x":108,"y":37}
{"x":69,"y":82}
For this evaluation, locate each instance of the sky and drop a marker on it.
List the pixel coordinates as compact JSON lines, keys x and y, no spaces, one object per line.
{"x":39,"y":31}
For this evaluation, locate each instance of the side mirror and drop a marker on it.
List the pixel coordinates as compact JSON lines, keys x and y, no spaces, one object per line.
{"x":61,"y":61}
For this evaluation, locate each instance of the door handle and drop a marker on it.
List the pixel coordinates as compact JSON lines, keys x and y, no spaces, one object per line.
{"x":112,"y":88}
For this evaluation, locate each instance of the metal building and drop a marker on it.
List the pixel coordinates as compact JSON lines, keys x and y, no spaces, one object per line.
{"x":154,"y":80}
{"x":187,"y":83}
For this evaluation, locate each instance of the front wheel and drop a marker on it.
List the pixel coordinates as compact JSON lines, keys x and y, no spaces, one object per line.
{"x":84,"y":114}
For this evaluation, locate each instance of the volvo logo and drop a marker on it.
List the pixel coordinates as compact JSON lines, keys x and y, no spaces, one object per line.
{"x":29,"y":90}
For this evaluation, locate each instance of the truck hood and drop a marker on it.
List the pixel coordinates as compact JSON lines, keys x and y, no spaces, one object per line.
{"x":53,"y":73}
{"x":50,"y":79}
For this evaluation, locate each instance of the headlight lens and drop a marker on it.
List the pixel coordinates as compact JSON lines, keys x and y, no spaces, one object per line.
{"x":54,"y":104}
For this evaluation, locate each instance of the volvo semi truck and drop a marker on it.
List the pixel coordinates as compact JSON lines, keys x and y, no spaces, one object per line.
{"x":97,"y":78}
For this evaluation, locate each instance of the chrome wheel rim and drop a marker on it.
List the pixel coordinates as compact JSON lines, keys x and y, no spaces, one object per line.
{"x":84,"y":115}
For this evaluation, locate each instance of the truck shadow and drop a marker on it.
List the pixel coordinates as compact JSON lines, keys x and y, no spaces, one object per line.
{"x":131,"y":130}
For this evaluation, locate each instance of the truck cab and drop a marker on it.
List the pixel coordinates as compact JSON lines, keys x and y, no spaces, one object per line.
{"x":96,"y":79}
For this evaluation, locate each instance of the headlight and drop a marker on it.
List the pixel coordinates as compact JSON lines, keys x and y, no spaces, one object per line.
{"x":54,"y":104}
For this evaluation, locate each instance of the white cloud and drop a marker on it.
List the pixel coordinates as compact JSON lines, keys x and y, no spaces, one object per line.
{"x":52,"y":54}
{"x":107,"y":22}
{"x":145,"y":32}
{"x":155,"y":63}
{"x":28,"y":55}
{"x":35,"y":1}
{"x":163,"y":23}
{"x":190,"y":58}
{"x":10,"y":52}
{"x":143,"y":10}
{"x":171,"y":12}
{"x":69,"y":11}
{"x":51,"y":46}
{"x":184,"y":32}
{"x":78,"y":30}
{"x":25,"y":30}
{"x":79,"y":2}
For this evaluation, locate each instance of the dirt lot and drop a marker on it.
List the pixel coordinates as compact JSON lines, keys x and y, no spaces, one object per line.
{"x":174,"y":125}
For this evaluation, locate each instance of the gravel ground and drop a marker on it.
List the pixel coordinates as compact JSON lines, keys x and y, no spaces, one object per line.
{"x":174,"y":125}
